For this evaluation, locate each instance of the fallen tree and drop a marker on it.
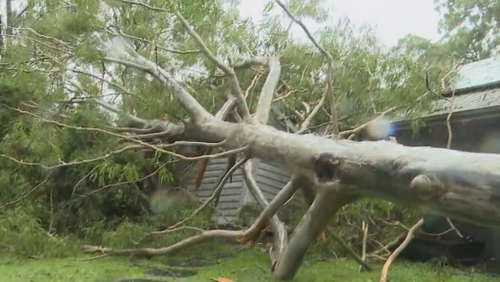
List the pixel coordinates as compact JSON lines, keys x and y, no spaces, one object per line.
{"x":334,"y":172}
{"x":452,"y":183}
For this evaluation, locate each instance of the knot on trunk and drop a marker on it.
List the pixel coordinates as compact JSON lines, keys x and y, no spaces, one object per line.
{"x":326,"y":167}
{"x":424,"y":187}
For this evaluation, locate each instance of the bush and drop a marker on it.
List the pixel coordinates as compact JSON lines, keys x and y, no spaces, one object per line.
{"x":22,"y":234}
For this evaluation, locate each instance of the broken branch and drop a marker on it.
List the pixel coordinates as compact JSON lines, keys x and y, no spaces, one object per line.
{"x":395,"y":254}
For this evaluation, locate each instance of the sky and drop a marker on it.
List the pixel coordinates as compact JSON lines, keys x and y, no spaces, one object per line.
{"x":393,"y":19}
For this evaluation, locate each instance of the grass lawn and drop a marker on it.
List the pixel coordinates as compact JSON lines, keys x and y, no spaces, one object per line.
{"x":244,"y":266}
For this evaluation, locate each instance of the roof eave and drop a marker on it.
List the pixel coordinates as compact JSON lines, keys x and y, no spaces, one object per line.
{"x":475,"y":114}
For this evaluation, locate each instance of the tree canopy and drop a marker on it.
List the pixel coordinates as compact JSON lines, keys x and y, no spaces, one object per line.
{"x":99,"y":97}
{"x":470,"y":27}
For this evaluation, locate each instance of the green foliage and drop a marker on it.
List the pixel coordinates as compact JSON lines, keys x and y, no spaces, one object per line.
{"x":22,"y":233}
{"x":170,"y":208}
{"x":247,"y":214}
{"x":470,"y":27}
{"x":377,"y":214}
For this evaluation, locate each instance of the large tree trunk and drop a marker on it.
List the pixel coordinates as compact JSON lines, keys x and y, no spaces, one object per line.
{"x":453,"y":183}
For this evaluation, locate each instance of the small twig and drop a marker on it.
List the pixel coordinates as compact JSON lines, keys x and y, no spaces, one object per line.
{"x":144,"y":144}
{"x":305,"y":125}
{"x":365,"y":239}
{"x":124,"y":182}
{"x":349,"y":249}
{"x":102,"y":79}
{"x":395,"y":254}
{"x":454,"y":228}
{"x":287,"y":95}
{"x":329,"y":61}
{"x":252,"y":84}
{"x":64,"y":164}
{"x":81,"y":180}
{"x":27,"y":193}
{"x":303,"y":26}
{"x":153,"y":8}
{"x":51,"y":210}
{"x":94,"y":257}
{"x":448,"y":119}
{"x":390,"y":245}
{"x":450,"y":138}
{"x":172,"y":231}
{"x":180,"y":52}
{"x":235,"y":86}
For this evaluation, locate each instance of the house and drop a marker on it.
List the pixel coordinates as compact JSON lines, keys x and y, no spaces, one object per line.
{"x":475,"y":127}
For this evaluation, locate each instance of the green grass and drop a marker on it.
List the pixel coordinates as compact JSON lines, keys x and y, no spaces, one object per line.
{"x":245,"y":266}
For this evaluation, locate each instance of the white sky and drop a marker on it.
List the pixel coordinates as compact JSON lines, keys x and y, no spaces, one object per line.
{"x":392,"y":18}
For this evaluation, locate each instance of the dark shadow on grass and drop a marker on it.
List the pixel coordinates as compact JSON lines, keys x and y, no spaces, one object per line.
{"x":208,"y":260}
{"x":176,"y":273}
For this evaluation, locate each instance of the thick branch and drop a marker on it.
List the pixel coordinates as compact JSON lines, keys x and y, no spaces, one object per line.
{"x":328,"y":201}
{"x":194,"y":109}
{"x":278,"y":228}
{"x":272,"y":208}
{"x":267,"y":93}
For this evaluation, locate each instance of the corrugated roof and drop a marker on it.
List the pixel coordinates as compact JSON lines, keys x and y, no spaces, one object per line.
{"x":477,"y":74}
{"x":477,"y":86}
{"x":461,"y":103}
{"x":467,"y":102}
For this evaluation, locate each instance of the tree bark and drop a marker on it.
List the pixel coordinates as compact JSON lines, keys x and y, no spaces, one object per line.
{"x":452,"y":183}
{"x":329,"y":200}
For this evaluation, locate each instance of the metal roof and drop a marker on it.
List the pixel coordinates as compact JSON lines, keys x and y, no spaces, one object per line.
{"x":477,"y":87}
{"x":461,"y":103}
{"x":466,"y":102}
{"x":477,"y":74}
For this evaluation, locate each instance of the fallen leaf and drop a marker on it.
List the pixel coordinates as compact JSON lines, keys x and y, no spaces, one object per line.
{"x":222,"y":279}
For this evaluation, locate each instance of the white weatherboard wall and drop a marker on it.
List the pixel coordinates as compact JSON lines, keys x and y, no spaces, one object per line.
{"x":270,"y":178}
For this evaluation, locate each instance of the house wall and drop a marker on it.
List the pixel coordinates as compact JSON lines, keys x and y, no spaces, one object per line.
{"x":229,"y":200}
{"x":473,"y":133}
{"x":270,"y":179}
